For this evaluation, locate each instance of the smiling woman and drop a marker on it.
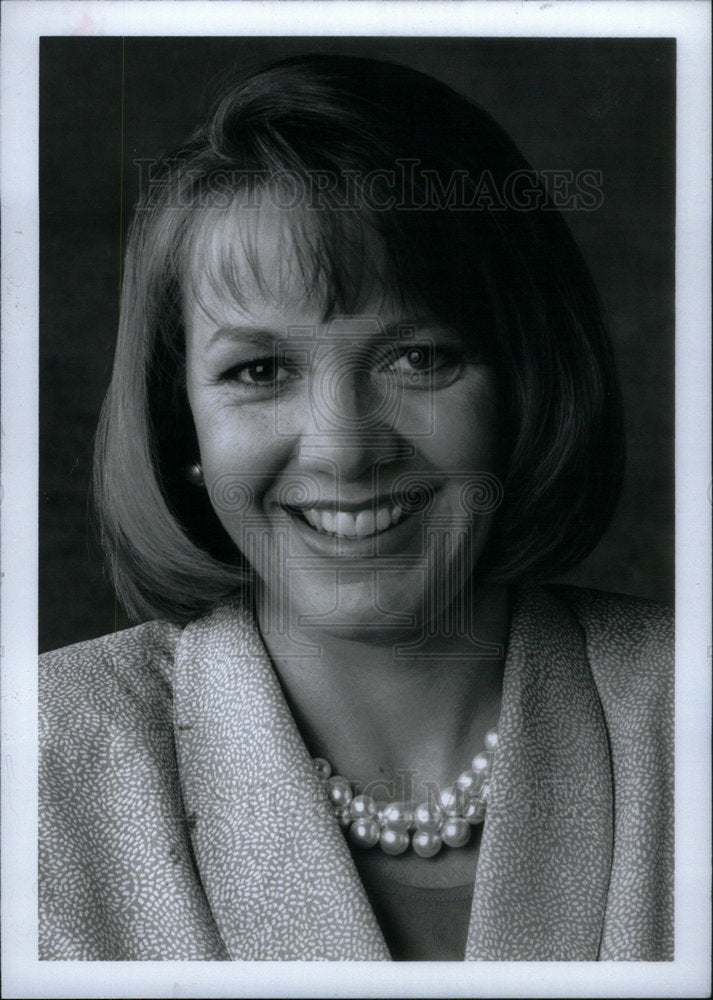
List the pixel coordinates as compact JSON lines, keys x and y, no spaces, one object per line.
{"x":363,"y":404}
{"x":342,"y":410}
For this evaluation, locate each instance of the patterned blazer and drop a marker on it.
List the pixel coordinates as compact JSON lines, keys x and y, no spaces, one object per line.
{"x":181,"y":818}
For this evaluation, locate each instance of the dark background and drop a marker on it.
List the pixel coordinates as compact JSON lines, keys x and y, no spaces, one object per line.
{"x":604,"y":104}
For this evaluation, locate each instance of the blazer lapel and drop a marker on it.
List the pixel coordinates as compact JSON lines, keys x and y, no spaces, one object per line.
{"x":274,"y":865}
{"x":546,"y":850}
{"x":275,"y":868}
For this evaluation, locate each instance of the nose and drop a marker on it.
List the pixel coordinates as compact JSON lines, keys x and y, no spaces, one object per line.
{"x":352,"y":420}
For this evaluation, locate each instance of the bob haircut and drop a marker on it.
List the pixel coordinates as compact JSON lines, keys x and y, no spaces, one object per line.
{"x":381,"y":151}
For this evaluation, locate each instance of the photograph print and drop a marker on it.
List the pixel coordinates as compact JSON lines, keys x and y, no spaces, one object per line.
{"x":356,"y":498}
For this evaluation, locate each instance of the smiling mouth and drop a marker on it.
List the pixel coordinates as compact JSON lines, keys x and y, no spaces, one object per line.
{"x":351,"y":524}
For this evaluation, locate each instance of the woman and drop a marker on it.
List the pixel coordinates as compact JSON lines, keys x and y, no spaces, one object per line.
{"x":363,"y":403}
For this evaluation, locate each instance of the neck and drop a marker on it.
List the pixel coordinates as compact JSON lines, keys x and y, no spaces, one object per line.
{"x":384,"y":712}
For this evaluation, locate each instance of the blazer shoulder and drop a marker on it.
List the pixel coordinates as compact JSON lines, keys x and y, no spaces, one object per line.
{"x":629,"y":640}
{"x":618,"y":615}
{"x":120,"y":676}
{"x":153,"y":641}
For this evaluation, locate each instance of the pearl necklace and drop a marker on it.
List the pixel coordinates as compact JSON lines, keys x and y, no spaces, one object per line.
{"x":425,"y":827}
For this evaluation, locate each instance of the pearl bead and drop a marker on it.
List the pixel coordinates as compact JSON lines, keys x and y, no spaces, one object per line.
{"x":452,"y":801}
{"x":456,"y":831}
{"x":343,"y":816}
{"x":362,"y":806}
{"x":428,"y":818}
{"x":469,"y":783}
{"x":426,"y":843}
{"x":447,"y":820}
{"x":365,"y":832}
{"x":397,"y":816}
{"x":393,"y":841}
{"x":194,"y":474}
{"x":491,"y":739}
{"x":481,"y":764}
{"x":474,"y":812}
{"x":340,"y":791}
{"x":322,"y":767}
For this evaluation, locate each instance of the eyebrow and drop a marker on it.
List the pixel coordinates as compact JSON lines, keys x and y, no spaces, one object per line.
{"x":251,"y":334}
{"x":264,"y":335}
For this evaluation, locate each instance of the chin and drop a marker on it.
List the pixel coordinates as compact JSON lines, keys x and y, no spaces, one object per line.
{"x":365,"y":606}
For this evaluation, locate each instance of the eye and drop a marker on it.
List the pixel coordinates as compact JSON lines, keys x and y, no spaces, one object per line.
{"x":416,"y":359}
{"x":259,"y":373}
{"x":426,"y":366}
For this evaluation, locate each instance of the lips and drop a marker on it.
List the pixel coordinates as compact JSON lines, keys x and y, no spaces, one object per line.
{"x":352,"y":524}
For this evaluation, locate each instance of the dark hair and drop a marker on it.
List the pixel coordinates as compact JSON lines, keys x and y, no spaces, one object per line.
{"x":379,"y":149}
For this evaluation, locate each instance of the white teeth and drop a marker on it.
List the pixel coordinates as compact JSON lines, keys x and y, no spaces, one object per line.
{"x":383,"y":519}
{"x":365,"y":523}
{"x":344,"y":524}
{"x":313,"y":517}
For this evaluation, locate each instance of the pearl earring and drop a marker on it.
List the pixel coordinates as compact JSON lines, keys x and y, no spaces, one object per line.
{"x":194,"y":474}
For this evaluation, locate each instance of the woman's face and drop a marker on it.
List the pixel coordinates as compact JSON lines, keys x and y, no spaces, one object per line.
{"x":319,"y":438}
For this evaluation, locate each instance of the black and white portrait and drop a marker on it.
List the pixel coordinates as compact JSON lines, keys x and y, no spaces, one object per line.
{"x":357,"y":565}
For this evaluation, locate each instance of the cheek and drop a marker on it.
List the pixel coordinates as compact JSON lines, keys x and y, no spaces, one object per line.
{"x":225,"y":436}
{"x":240,"y":455}
{"x":462,"y":427}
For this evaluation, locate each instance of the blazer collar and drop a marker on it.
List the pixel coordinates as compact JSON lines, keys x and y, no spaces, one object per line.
{"x":274,"y":865}
{"x":543,"y":872}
